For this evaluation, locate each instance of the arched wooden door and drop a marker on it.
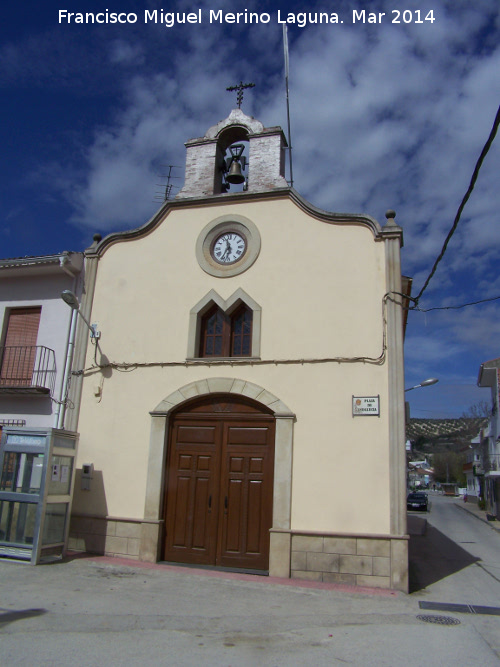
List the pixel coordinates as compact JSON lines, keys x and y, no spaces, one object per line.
{"x":219,"y":485}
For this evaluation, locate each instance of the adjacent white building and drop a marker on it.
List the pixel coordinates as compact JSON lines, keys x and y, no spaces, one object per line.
{"x":473,"y":469}
{"x":36,"y":330}
{"x":489,"y":376}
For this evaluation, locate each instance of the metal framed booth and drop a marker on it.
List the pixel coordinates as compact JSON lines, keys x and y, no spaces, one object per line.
{"x":36,"y":489}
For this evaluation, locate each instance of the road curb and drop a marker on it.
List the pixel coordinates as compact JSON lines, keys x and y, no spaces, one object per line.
{"x":492,"y":524}
{"x":235,"y":576}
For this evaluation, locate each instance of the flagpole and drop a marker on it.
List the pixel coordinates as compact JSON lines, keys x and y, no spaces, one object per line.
{"x":285,"y":47}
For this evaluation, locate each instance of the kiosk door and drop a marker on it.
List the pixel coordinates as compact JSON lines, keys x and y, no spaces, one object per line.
{"x":36,"y":486}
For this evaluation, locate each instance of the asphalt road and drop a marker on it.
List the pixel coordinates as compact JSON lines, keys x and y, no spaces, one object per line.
{"x":458,"y":557}
{"x":91,"y":612}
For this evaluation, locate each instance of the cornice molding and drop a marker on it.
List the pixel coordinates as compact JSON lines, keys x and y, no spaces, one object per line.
{"x":98,"y":248}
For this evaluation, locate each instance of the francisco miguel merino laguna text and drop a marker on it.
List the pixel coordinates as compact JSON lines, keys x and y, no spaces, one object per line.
{"x":170,"y":19}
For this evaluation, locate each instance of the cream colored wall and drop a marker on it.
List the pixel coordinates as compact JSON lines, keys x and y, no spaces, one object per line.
{"x":328,"y":273}
{"x":320,"y":287}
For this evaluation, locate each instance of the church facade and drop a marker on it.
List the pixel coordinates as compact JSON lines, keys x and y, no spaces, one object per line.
{"x":244,"y":405}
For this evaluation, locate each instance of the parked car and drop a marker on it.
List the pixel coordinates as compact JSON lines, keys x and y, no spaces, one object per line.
{"x":417,"y":501}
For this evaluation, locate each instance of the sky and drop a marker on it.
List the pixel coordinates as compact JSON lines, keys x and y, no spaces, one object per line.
{"x":390,"y":113}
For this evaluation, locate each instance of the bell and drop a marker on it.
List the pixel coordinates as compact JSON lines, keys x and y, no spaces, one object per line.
{"x":235,"y":176}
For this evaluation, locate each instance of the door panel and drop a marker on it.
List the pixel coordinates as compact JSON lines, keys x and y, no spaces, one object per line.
{"x":254,"y":528}
{"x":219,"y":488}
{"x":247,"y":482}
{"x":192,"y":486}
{"x":233,"y":506}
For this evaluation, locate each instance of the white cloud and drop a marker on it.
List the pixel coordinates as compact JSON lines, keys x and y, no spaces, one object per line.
{"x":382,"y":117}
{"x":478,"y":327}
{"x":387,"y":117}
{"x":431,"y":347}
{"x":122,"y":52}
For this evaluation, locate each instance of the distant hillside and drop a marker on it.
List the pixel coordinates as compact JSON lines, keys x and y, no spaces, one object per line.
{"x":438,"y":435}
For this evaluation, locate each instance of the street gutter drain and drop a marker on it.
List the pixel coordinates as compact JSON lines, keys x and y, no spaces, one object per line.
{"x":439,"y":620}
{"x":459,"y":608}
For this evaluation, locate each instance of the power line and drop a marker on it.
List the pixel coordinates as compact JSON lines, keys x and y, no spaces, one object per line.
{"x":475,"y":174}
{"x":463,"y":305}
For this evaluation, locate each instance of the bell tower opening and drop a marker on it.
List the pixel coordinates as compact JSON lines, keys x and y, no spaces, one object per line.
{"x":232,"y":164}
{"x":237,"y":155}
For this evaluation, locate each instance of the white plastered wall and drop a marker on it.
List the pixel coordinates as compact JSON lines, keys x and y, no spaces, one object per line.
{"x":320,"y":287}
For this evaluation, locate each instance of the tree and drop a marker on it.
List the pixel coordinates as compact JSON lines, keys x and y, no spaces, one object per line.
{"x":479,"y":410}
{"x":448,"y":467}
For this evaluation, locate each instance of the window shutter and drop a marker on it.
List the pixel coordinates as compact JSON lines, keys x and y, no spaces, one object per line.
{"x":19,"y":352}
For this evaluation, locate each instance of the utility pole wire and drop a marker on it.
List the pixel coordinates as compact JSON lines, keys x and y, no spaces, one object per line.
{"x":475,"y":174}
{"x":463,"y":305}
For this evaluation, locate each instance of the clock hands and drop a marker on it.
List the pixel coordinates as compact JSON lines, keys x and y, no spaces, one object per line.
{"x":227,"y":251}
{"x":229,"y":247}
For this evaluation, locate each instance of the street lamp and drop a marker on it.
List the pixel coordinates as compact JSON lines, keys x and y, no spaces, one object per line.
{"x":68,"y":297}
{"x":425,"y":383}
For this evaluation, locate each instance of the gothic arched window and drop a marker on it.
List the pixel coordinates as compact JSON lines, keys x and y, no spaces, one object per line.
{"x":226,"y":335}
{"x":225,"y":328}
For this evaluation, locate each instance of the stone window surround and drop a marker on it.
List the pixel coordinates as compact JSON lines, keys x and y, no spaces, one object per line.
{"x":280,"y":543}
{"x":228,"y":306}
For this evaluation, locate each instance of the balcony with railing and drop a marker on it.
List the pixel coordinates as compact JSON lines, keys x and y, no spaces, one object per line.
{"x":492,"y":462}
{"x":27,"y":369}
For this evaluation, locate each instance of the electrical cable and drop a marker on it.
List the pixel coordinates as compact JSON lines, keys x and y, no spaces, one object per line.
{"x":235,"y":361}
{"x":463,"y":305}
{"x":465,"y":199}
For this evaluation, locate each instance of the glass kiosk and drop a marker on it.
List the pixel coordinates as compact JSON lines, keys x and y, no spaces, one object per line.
{"x":36,"y":488}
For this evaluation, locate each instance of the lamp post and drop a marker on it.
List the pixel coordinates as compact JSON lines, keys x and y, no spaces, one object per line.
{"x":71,"y":300}
{"x":425,"y":383}
{"x":68,"y":297}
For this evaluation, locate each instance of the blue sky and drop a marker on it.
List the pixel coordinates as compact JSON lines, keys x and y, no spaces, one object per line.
{"x":385,"y":115}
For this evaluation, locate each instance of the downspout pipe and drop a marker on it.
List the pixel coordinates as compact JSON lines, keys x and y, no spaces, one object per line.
{"x":66,"y":266}
{"x":61,"y":411}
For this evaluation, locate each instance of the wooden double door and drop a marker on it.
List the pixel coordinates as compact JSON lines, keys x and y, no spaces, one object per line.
{"x":219,"y":486}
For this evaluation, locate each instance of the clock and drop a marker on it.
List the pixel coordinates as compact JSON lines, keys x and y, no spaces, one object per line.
{"x":229,"y":247}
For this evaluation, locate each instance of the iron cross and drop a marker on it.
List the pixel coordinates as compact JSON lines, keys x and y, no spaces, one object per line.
{"x":240,"y":88}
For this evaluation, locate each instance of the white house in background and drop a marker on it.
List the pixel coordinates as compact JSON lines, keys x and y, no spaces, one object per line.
{"x":473,"y":469}
{"x":489,"y":376}
{"x":420,"y":474}
{"x":36,"y":329}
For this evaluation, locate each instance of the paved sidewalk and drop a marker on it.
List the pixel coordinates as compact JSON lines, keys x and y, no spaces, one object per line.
{"x":473,"y":509}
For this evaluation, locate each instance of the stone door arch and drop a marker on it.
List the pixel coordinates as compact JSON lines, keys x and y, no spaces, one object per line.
{"x":152,"y":527}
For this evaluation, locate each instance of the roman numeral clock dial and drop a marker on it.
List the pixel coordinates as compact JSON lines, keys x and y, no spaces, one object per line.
{"x":229,"y":247}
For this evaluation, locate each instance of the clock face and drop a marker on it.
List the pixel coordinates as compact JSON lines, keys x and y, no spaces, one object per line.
{"x":229,"y":247}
